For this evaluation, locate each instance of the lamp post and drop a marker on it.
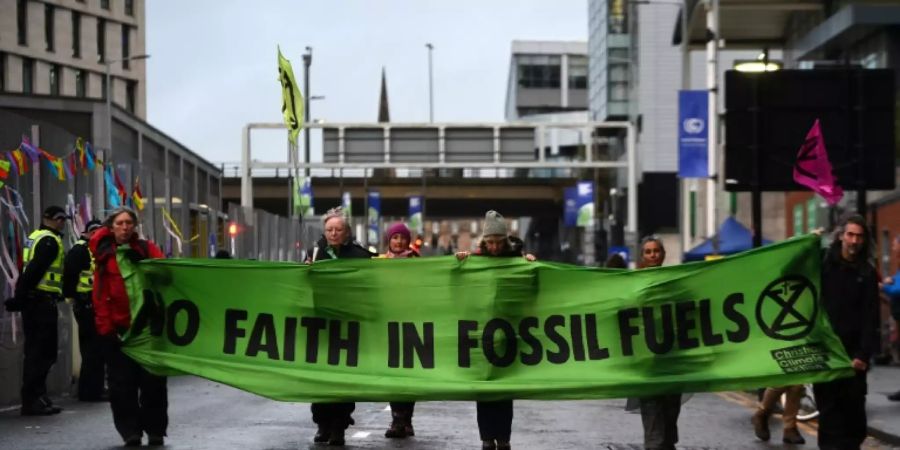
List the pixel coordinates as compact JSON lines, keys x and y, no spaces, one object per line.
{"x":307,"y":61}
{"x":430,"y":85}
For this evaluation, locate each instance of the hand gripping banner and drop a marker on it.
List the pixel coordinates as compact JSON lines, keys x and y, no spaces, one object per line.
{"x":488,"y":328}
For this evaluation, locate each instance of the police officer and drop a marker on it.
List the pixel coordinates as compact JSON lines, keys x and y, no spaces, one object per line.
{"x":78,"y":284}
{"x":37,"y":290}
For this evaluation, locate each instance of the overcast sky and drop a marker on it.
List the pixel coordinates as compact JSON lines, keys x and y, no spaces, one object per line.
{"x":213,"y":65}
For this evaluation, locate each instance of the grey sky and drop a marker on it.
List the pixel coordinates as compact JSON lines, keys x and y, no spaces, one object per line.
{"x":213,"y":66}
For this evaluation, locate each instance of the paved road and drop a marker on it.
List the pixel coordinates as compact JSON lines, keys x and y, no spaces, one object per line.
{"x":206,"y":415}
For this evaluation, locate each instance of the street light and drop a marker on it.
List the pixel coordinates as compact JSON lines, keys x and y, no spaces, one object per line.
{"x":430,"y":85}
{"x":307,"y":61}
{"x":108,"y":65}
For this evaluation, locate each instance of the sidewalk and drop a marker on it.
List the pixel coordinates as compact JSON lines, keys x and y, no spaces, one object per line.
{"x":884,"y":415}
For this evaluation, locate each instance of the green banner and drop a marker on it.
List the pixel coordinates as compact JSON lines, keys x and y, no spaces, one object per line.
{"x":489,"y":328}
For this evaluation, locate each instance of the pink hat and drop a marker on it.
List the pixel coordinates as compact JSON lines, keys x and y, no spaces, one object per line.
{"x":398,"y":228}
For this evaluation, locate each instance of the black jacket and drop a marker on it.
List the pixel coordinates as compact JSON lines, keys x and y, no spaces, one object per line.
{"x":78,"y":258}
{"x":516,"y":247}
{"x":351,"y":249}
{"x":43,"y":255}
{"x":850,"y":298}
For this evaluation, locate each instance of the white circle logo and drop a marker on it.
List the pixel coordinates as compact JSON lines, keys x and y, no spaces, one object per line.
{"x":694,"y":125}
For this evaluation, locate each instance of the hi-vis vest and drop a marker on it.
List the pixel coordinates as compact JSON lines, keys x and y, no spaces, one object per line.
{"x":52,"y":279}
{"x":86,"y":277}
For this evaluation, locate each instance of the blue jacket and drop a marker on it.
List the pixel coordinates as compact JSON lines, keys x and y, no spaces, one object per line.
{"x":893,"y":293}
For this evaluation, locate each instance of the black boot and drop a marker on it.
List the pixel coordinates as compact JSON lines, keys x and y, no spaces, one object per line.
{"x":336,"y":437}
{"x":321,"y":434}
{"x":397,"y":429}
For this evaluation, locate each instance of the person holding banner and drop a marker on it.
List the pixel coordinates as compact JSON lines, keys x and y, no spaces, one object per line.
{"x":399,"y":238}
{"x":659,"y":414}
{"x":851,"y":302}
{"x":78,"y":285}
{"x":139,"y":399}
{"x":495,"y":417}
{"x":332,"y":419}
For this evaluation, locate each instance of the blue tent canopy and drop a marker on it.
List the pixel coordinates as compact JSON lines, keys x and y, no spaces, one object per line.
{"x":733,"y":238}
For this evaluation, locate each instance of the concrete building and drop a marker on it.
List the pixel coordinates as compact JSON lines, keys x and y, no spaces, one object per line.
{"x":546,"y":77}
{"x":64,"y":47}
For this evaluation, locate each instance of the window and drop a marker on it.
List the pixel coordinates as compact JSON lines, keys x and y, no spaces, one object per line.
{"x":80,"y":83}
{"x":104,"y":4}
{"x":101,"y":39}
{"x":48,"y":26}
{"x":578,"y":73}
{"x":126,"y":48}
{"x":130,"y":92}
{"x":2,"y":71}
{"x":54,"y":79}
{"x":103,"y":87}
{"x":76,"y":34}
{"x":27,"y":76}
{"x":22,"y":21}
{"x":129,"y":7}
{"x":534,"y":76}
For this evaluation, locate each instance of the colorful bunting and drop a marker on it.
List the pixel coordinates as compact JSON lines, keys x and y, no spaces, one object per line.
{"x":112,"y":193}
{"x":4,"y":169}
{"x":18,"y":159}
{"x":136,"y":195}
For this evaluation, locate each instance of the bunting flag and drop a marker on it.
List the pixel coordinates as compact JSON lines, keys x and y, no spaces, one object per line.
{"x":812,"y":168}
{"x":112,"y":193}
{"x":120,"y":187}
{"x":136,"y":196}
{"x":53,"y":169}
{"x":89,"y":156}
{"x":18,"y":159}
{"x":29,"y":149}
{"x":4,"y":169}
{"x":71,"y":167}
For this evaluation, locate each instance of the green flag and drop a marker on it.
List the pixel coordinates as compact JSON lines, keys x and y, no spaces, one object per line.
{"x":489,"y":328}
{"x":291,"y":98}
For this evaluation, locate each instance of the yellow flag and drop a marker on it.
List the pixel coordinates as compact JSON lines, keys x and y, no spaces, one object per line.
{"x":291,"y":98}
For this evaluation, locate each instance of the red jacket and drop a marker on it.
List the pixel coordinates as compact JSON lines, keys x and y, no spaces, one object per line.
{"x":112,"y":310}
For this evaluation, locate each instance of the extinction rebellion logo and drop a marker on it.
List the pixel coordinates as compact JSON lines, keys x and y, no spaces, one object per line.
{"x":786,"y":310}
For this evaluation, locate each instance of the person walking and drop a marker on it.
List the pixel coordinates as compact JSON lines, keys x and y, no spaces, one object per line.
{"x":139,"y":399}
{"x":332,"y":419}
{"x":495,"y":417}
{"x":36,"y":293}
{"x":792,"y":396}
{"x":851,"y":302}
{"x":891,"y":288}
{"x":659,"y":413}
{"x":399,"y":238}
{"x":78,"y":285}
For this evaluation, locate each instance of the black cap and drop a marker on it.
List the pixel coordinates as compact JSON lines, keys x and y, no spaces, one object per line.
{"x":92,"y":225}
{"x":55,"y":213}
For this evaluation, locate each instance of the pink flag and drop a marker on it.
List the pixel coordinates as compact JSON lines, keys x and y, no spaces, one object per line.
{"x":813,"y":170}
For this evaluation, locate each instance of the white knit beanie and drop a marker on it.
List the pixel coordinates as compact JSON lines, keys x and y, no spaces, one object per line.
{"x":494,"y":224}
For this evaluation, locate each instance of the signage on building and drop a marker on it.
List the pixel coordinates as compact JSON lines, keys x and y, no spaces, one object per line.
{"x":693,"y":134}
{"x":373,"y":217}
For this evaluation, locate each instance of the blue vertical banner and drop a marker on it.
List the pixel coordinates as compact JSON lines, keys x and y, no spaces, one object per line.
{"x":347,"y":205}
{"x":373,"y":218}
{"x":693,"y":135}
{"x":306,"y":197}
{"x":415,"y":215}
{"x":570,"y":206}
{"x":213,"y":245}
{"x":584,"y":204}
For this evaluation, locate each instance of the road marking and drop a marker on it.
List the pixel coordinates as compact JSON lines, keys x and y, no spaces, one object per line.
{"x":811,"y":427}
{"x":361,"y":435}
{"x":387,"y":408}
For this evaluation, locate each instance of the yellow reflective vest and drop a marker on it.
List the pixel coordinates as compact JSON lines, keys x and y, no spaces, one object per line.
{"x":86,"y":277}
{"x":52,"y":279}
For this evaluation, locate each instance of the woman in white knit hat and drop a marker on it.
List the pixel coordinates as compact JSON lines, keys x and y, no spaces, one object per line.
{"x":495,"y":417}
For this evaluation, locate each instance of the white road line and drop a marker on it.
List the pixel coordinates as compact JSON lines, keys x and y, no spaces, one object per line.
{"x":361,"y":435}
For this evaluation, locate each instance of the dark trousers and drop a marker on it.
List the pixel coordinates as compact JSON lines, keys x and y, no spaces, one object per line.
{"x":403,"y":410}
{"x":659,"y":416}
{"x":93,"y":367}
{"x":39,"y":321}
{"x":333,"y":415}
{"x":842,"y":412}
{"x":495,"y":420}
{"x":139,"y":399}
